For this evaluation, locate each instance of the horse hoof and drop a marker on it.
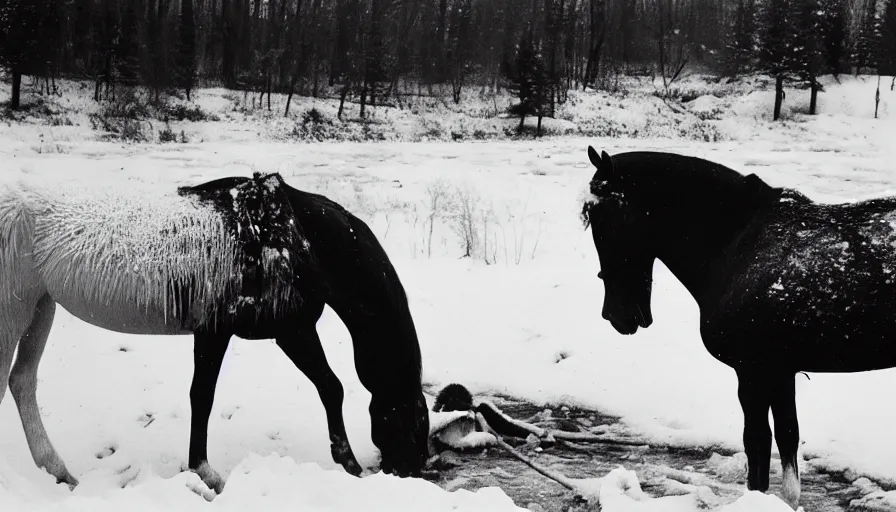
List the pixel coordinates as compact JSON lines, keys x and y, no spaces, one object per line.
{"x":353,"y":468}
{"x":210,"y":477}
{"x":68,"y":480}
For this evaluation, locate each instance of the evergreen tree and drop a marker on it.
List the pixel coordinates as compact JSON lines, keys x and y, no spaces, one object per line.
{"x":107,"y":34}
{"x":887,"y":52}
{"x":128,"y":50}
{"x":867,"y":44}
{"x":742,"y":45}
{"x":529,"y":82}
{"x":186,"y":61}
{"x":24,"y":24}
{"x":808,"y":50}
{"x":833,"y":34}
{"x":777,"y":56}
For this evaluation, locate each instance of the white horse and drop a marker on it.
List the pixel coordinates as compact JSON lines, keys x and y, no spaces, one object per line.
{"x":250,"y":257}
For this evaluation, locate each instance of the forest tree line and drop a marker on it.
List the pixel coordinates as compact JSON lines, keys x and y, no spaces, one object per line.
{"x":371,"y":50}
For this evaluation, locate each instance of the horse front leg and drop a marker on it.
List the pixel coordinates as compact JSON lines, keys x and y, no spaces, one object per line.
{"x":787,"y":435}
{"x":306,"y":352}
{"x":208,"y":355}
{"x":755,"y":401}
{"x":23,"y":384}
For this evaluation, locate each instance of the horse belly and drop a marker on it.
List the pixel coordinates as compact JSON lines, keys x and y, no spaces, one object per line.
{"x":848,"y":352}
{"x":123,"y":317}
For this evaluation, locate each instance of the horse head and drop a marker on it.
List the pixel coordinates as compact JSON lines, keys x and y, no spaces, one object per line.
{"x":622,"y":238}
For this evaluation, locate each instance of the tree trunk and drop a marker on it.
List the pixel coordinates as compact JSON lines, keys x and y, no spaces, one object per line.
{"x":538,"y":129}
{"x":813,"y":98}
{"x":188,"y":45}
{"x":522,"y":122}
{"x":228,"y":59}
{"x":15,"y":101}
{"x":877,"y":97}
{"x":342,"y":101}
{"x":363,"y":100}
{"x":289,"y":100}
{"x":779,"y":96}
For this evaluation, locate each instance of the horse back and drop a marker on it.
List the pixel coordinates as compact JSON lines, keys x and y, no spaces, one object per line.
{"x":814,"y":284}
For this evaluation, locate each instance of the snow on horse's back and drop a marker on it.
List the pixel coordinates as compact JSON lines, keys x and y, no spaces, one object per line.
{"x":98,"y":248}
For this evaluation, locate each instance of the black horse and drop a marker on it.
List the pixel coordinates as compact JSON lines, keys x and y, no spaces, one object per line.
{"x":783,"y":284}
{"x":248,"y":257}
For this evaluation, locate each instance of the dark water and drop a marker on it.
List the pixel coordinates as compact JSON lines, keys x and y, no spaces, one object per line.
{"x":658,"y":468}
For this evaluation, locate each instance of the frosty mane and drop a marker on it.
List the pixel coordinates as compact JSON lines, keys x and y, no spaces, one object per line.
{"x":154,"y":249}
{"x":190,"y":254}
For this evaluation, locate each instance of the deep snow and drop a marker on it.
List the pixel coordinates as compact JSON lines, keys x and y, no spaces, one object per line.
{"x":526,"y":324}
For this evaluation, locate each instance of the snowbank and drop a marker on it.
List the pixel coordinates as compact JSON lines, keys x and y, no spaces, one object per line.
{"x":741,"y":110}
{"x":527,"y":323}
{"x":271,"y":483}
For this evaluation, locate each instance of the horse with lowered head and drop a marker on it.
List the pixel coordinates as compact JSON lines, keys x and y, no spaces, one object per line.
{"x":783,"y":284}
{"x":248,"y":257}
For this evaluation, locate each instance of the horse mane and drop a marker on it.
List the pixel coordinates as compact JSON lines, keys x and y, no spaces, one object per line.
{"x":658,"y":178}
{"x":149,"y":247}
{"x":190,"y":255}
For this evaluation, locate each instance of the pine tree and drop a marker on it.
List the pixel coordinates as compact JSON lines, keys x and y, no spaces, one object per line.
{"x":23,"y":26}
{"x":129,"y":52}
{"x":742,"y":44}
{"x":867,"y":44}
{"x":833,"y":35}
{"x":529,"y":82}
{"x":777,"y":57}
{"x":186,"y":55}
{"x":887,"y":52}
{"x":809,"y":57}
{"x":107,"y":34}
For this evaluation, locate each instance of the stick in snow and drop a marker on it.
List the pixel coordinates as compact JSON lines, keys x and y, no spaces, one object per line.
{"x":553,"y":475}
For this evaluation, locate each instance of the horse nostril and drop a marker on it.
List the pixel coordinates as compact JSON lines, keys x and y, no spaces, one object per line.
{"x":600,"y":275}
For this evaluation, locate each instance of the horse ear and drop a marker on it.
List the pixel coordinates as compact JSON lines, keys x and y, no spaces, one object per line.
{"x":595,"y":159}
{"x":606,"y":164}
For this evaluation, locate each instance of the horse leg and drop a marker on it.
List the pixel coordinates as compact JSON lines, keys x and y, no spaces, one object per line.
{"x":755,"y":401}
{"x":308,"y":355}
{"x":23,"y":384}
{"x":208,"y":355}
{"x":8,"y":343}
{"x":787,"y":435}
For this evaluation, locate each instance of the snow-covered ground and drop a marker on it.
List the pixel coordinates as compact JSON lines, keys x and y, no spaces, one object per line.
{"x":521,"y":317}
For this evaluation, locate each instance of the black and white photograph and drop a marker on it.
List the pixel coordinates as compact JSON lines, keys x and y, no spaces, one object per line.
{"x":448,"y":255}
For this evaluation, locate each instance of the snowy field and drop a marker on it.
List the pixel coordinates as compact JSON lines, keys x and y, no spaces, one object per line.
{"x":521,"y":317}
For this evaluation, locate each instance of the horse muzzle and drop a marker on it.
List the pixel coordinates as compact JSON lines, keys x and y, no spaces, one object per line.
{"x":629,"y":324}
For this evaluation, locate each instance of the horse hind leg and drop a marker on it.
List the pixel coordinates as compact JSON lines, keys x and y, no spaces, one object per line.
{"x":787,"y":436}
{"x":307,"y":353}
{"x":755,"y":401}
{"x":23,"y":384}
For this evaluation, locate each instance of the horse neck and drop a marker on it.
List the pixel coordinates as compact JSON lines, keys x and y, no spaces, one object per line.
{"x":694,"y":243}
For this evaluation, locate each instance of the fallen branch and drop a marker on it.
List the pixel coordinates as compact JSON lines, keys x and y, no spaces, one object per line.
{"x":553,"y":475}
{"x":500,"y":416}
{"x":550,"y":434}
{"x":594,"y":449}
{"x":585,"y":437}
